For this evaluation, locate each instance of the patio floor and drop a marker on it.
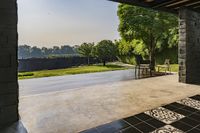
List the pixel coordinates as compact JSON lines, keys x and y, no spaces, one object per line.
{"x":177,"y":117}
{"x":83,"y":108}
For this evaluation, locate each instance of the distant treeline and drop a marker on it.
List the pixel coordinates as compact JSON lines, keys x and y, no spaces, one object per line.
{"x":26,"y":52}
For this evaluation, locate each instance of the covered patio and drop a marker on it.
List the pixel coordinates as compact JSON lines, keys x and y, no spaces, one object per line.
{"x":80,"y":109}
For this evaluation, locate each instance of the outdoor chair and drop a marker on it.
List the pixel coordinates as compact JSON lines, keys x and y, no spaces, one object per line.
{"x":143,"y":65}
{"x":166,"y":66}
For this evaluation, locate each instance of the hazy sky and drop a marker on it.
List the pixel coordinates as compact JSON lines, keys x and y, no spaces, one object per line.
{"x":58,"y":22}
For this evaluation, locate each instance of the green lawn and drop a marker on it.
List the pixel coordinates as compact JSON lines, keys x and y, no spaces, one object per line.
{"x":174,"y":68}
{"x":69,"y":71}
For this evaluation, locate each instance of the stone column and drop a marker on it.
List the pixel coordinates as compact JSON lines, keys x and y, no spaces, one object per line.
{"x":189,"y":46}
{"x":8,"y":63}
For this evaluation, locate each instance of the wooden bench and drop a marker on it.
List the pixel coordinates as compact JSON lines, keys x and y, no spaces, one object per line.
{"x":165,"y":66}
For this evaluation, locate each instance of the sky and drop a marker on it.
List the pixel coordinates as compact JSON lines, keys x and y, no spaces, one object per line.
{"x":66,"y":22}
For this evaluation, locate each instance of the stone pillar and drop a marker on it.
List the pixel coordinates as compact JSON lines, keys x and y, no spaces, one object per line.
{"x":8,"y":63}
{"x":189,"y":46}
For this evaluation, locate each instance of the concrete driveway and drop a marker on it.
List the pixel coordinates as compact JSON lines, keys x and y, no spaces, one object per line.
{"x":74,"y":110}
{"x":52,"y":84}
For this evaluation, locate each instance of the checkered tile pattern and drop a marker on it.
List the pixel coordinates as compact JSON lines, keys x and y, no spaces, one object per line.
{"x":167,"y":129}
{"x":179,"y":117}
{"x":190,"y":102}
{"x":164,"y":115}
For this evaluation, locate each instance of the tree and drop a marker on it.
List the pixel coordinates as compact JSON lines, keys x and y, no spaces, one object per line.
{"x":24,"y":51}
{"x":106,"y":50}
{"x":128,"y":50}
{"x":66,"y":49}
{"x":149,"y":26}
{"x":86,"y":50}
{"x":56,"y":50}
{"x":36,"y":52}
{"x":44,"y":51}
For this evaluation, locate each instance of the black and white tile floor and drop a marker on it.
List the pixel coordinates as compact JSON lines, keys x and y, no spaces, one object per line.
{"x":179,"y":117}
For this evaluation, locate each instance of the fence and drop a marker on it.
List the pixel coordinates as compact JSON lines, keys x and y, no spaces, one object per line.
{"x":35,"y":64}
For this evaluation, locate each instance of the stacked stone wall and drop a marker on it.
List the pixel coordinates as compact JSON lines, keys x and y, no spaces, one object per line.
{"x":8,"y":63}
{"x":189,"y":46}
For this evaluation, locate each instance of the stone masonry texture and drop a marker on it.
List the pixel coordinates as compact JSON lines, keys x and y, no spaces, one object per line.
{"x":8,"y":63}
{"x":189,"y":46}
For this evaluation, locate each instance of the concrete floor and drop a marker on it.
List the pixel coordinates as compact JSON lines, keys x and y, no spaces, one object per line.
{"x":78,"y":109}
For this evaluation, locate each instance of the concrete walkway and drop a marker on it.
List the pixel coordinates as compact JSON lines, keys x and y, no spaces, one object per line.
{"x":74,"y":110}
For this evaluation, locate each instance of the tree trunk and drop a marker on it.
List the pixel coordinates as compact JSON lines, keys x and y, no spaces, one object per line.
{"x":152,"y":52}
{"x":104,"y":63}
{"x":152,"y":60}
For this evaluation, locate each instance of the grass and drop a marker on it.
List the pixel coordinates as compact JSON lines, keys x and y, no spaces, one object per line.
{"x":69,"y":71}
{"x":174,"y":68}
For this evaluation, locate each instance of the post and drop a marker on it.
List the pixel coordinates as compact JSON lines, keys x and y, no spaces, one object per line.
{"x":8,"y":63}
{"x":189,"y":46}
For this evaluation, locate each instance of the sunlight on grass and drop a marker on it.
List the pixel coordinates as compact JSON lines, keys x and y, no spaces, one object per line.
{"x":174,"y":68}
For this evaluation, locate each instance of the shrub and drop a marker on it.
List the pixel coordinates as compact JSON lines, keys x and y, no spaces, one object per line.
{"x":25,"y":74}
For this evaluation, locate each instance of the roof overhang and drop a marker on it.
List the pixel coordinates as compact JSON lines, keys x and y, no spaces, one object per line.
{"x":164,"y":5}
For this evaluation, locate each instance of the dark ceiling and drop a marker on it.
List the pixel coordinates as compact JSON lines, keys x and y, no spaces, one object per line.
{"x":164,"y":5}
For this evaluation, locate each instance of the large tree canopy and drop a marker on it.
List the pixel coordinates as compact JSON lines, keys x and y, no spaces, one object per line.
{"x":153,"y":28}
